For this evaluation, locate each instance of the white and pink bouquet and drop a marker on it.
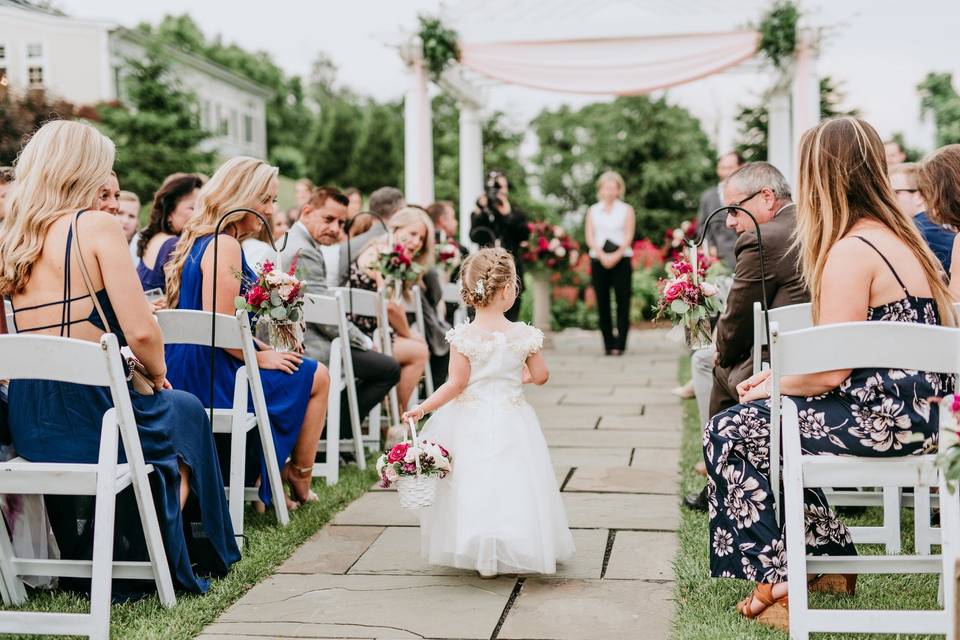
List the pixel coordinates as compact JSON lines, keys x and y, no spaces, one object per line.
{"x":688,"y":300}
{"x":447,"y":256}
{"x":401,"y":462}
{"x":276,"y":298}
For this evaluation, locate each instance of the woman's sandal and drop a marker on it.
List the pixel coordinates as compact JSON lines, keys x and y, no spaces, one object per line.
{"x":836,"y":583}
{"x":302,"y":472}
{"x":774,"y":613}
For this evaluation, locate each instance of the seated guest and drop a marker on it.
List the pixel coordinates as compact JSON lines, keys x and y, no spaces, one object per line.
{"x":108,"y":197}
{"x":903,"y":178}
{"x":435,"y":324}
{"x":129,"y":217}
{"x":257,"y":248}
{"x":864,"y":261}
{"x":173,"y":205}
{"x":938,"y":179}
{"x":411,"y":228}
{"x":356,"y":201}
{"x":61,"y":422}
{"x":6,"y":181}
{"x":302,"y":190}
{"x":295,"y":387}
{"x":384,"y":202}
{"x":763,"y":191}
{"x":281,"y":224}
{"x":320,"y":225}
{"x":293,"y":214}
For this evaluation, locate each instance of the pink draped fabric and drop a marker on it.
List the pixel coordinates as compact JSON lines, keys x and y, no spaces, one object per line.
{"x":620,"y":66}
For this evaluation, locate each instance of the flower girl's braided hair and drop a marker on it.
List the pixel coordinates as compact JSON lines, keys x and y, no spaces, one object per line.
{"x":484,"y":274}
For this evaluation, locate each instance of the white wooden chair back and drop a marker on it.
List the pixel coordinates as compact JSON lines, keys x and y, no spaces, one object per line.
{"x":77,"y":361}
{"x":852,"y":346}
{"x":451,"y":296}
{"x":184,"y":326}
{"x":330,"y":311}
{"x":790,"y":318}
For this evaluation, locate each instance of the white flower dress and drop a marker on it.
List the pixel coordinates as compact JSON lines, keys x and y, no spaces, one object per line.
{"x":499,"y":511}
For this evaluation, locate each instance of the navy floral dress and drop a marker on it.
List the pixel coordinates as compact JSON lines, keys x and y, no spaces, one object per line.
{"x":875,"y":413}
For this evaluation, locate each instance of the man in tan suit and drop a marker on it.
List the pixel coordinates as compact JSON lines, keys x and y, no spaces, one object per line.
{"x":762,"y":190}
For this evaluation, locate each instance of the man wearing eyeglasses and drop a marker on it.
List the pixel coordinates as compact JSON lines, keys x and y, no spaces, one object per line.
{"x":321,"y":222}
{"x":762,"y":190}
{"x":903,"y":178}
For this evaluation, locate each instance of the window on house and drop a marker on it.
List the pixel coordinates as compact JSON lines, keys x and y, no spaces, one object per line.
{"x":3,"y":51}
{"x":248,"y":129}
{"x":206,"y":116}
{"x":35,"y":50}
{"x":223,"y":124}
{"x":234,"y":125}
{"x":35,"y":76}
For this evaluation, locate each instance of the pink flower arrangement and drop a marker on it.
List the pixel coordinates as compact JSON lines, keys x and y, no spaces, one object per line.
{"x":676,"y":238}
{"x":272,"y":294}
{"x":549,"y":247}
{"x":688,"y":299}
{"x":396,"y":263}
{"x":401,"y":461}
{"x":448,"y":255}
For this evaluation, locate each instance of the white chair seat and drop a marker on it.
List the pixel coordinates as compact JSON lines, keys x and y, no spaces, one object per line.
{"x":19,"y":476}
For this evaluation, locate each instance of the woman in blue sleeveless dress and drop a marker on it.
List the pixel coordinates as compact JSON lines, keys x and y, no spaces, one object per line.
{"x":867,"y":263}
{"x":60,"y":422}
{"x":173,"y":206}
{"x":295,"y":387}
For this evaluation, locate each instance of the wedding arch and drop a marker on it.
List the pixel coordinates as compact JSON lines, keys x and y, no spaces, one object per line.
{"x":612,"y":66}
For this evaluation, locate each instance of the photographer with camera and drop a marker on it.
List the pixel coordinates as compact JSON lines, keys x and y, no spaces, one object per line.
{"x":496,"y":223}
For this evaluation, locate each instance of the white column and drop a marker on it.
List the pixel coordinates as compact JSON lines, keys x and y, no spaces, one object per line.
{"x":471,"y":165}
{"x":806,"y":89}
{"x":418,"y":133}
{"x":779,"y":130}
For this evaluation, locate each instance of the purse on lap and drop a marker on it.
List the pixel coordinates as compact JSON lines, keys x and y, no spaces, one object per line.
{"x":137,"y":374}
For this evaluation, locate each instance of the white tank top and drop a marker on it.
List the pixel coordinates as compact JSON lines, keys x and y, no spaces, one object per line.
{"x":609,"y":225}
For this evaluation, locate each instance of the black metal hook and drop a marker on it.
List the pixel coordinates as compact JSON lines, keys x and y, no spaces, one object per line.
{"x":213,"y":302}
{"x":763,"y":277}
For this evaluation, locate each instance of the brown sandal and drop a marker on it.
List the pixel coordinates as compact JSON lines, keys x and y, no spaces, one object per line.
{"x":301,"y":472}
{"x":836,"y":583}
{"x":774,"y":613}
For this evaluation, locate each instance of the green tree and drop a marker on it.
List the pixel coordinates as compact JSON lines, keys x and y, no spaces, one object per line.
{"x":330,"y":145}
{"x":23,"y":113}
{"x":156,"y":131}
{"x":377,"y":157}
{"x":753,"y":122}
{"x":660,"y":150}
{"x":939,"y":98}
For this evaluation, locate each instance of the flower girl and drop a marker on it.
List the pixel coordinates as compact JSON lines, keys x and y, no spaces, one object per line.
{"x":500,"y":510}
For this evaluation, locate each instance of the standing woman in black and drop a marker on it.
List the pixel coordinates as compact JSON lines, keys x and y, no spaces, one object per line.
{"x":609,"y":230}
{"x":495,"y":222}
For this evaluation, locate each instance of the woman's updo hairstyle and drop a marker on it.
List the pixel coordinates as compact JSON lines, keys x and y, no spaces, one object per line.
{"x":486,"y":273}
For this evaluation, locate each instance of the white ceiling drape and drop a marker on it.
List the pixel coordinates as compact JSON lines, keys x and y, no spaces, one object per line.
{"x":619,"y":66}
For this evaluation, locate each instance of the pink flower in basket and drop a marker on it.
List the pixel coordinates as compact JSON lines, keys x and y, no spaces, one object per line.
{"x":398,"y":452}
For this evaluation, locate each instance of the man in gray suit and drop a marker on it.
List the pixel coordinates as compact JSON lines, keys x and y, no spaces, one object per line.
{"x":321,"y":222}
{"x":384,"y":202}
{"x":720,"y":238}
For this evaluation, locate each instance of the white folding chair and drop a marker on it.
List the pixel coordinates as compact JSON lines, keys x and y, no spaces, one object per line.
{"x":88,"y":363}
{"x":327,"y":310}
{"x":182,"y":326}
{"x":451,"y":295}
{"x":842,"y":346}
{"x":415,"y":306}
{"x":371,"y":304}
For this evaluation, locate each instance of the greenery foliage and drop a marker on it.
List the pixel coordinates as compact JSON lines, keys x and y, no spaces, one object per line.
{"x":23,"y":113}
{"x":939,"y":98}
{"x":156,"y":130}
{"x":778,"y":33}
{"x":659,"y":148}
{"x":440,"y":48}
{"x":753,"y":121}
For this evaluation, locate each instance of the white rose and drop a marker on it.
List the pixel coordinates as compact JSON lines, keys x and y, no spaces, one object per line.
{"x":285,"y":291}
{"x":553,"y":244}
{"x":685,"y":225}
{"x":390,"y":473}
{"x":709,"y":290}
{"x":678,"y":234}
{"x":560,"y":252}
{"x":412,"y":454}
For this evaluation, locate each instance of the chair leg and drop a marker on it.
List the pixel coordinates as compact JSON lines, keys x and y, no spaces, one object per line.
{"x":891,"y":519}
{"x":922,"y":531}
{"x":102,"y":569}
{"x":12,"y":587}
{"x":333,"y":438}
{"x":238,"y":463}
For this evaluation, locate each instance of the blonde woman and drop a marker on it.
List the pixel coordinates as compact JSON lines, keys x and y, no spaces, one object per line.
{"x":59,"y":174}
{"x":863,"y":260}
{"x":295,"y":387}
{"x":609,"y":229}
{"x":410,"y":227}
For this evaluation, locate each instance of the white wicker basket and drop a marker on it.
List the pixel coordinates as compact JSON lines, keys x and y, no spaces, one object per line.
{"x":416,"y":492}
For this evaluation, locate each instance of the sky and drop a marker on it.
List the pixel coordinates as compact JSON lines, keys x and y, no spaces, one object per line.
{"x":878,"y":50}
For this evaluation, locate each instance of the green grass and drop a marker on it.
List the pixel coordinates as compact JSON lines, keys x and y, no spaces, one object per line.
{"x":268,"y":545}
{"x":705,"y":606}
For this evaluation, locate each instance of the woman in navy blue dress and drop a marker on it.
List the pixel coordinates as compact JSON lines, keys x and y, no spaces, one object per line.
{"x":863,"y":260}
{"x":295,"y":387}
{"x":58,"y":174}
{"x":173,"y":206}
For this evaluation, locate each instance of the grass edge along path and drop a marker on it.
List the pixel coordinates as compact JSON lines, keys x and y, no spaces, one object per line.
{"x":704,"y":606}
{"x":267,"y":546}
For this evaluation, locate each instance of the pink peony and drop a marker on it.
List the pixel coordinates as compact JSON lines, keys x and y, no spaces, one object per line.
{"x":681,"y":267}
{"x":398,"y":452}
{"x":674,"y":290}
{"x":390,"y":473}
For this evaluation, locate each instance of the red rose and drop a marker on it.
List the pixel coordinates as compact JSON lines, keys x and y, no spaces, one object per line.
{"x":294,"y":293}
{"x":543,"y":244}
{"x":681,"y":267}
{"x":267,"y":267}
{"x":257,"y":296}
{"x":673,"y":292}
{"x":398,"y":452}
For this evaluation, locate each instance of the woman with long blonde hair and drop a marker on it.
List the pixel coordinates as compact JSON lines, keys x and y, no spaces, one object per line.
{"x":295,"y":387}
{"x":59,"y":174}
{"x":411,"y":228}
{"x":863,"y":260}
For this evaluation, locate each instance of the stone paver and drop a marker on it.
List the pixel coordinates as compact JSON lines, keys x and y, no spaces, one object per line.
{"x":594,"y":609}
{"x":613,"y":430}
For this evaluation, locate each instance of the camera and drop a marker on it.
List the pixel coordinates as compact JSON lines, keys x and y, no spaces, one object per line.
{"x":492,"y":189}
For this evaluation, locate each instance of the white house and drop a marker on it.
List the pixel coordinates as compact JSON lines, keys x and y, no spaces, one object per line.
{"x":82,"y":61}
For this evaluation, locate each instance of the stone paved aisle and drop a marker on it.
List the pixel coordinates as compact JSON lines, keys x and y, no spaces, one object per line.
{"x":614,"y":434}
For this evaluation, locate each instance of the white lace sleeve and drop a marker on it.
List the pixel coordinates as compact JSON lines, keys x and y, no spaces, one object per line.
{"x":471,"y":347}
{"x":531,"y":341}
